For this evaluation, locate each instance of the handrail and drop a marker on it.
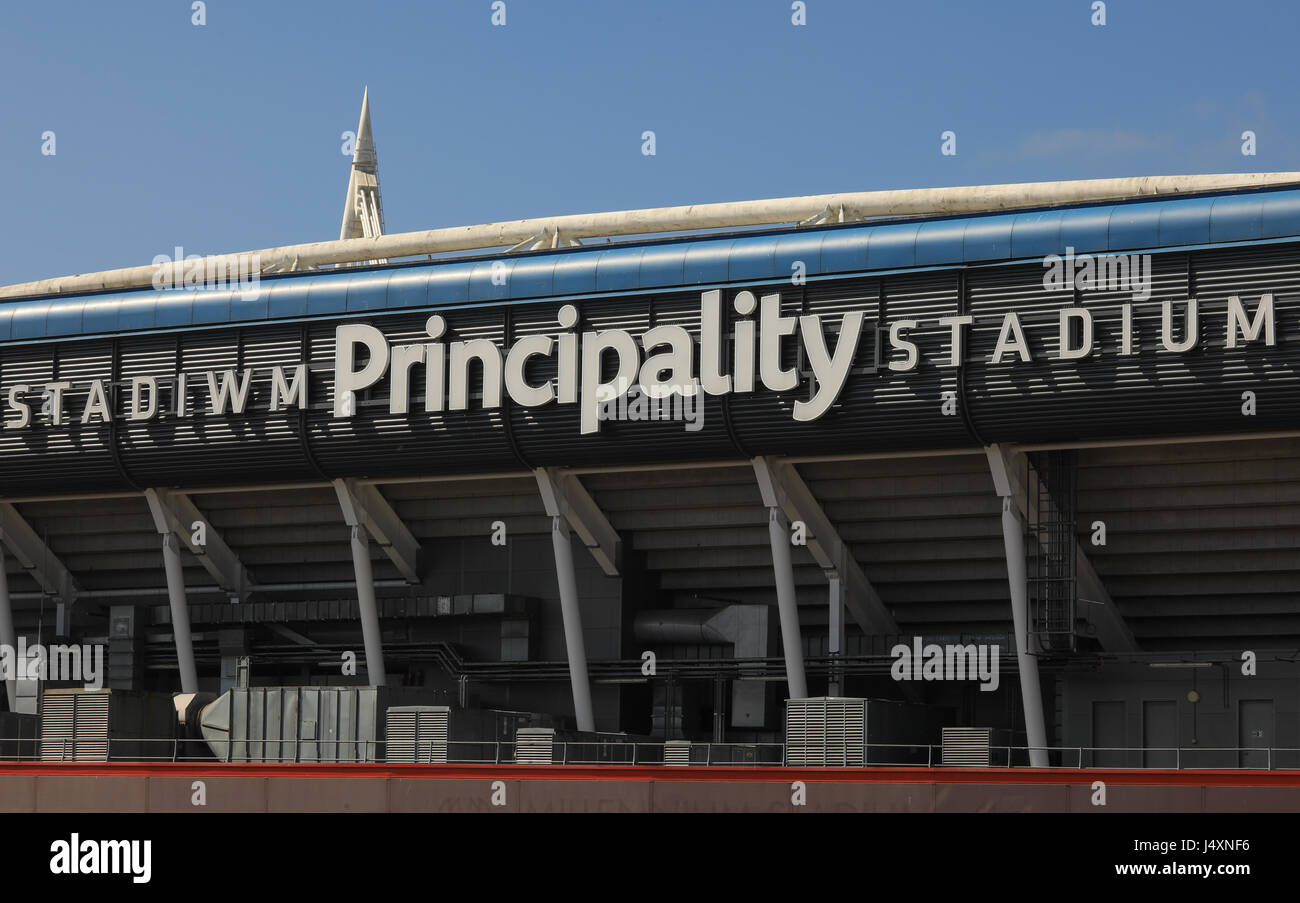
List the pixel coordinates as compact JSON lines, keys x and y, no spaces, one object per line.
{"x":643,"y":752}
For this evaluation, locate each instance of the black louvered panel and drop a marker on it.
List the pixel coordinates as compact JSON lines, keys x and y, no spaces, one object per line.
{"x":75,"y":456}
{"x":551,"y":435}
{"x":205,"y":450}
{"x":1246,"y":272}
{"x":877,"y":411}
{"x":1154,"y":392}
{"x":381,"y":444}
{"x":203,"y":447}
{"x":376,"y":442}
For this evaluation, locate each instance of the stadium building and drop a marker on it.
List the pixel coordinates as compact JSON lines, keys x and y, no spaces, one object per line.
{"x":1002,"y":476}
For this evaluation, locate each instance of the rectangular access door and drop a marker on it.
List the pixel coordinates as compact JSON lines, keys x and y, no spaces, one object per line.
{"x":1160,"y":734}
{"x":1254,"y":729}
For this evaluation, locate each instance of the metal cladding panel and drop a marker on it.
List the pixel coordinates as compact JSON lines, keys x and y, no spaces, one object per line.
{"x":1133,"y":226}
{"x":550,"y":435}
{"x":661,"y":265}
{"x":708,"y":262}
{"x":490,"y":280}
{"x":943,"y":241}
{"x":891,"y":248}
{"x":1086,"y":230}
{"x":287,"y":298}
{"x":174,"y":451}
{"x":1184,"y":224}
{"x":378,"y":443}
{"x":368,"y":291}
{"x":171,"y":309}
{"x":575,"y":274}
{"x":76,"y":455}
{"x":28,"y":321}
{"x":1237,"y":218}
{"x":1108,"y":395}
{"x":1154,"y":391}
{"x":211,"y":307}
{"x":1036,"y":234}
{"x":407,"y":288}
{"x":876,"y":411}
{"x":533,"y":277}
{"x":66,"y":319}
{"x":987,"y":239}
{"x":618,"y":271}
{"x":132,"y":313}
{"x":449,"y":285}
{"x":329,"y":294}
{"x":937,"y":243}
{"x":757,"y":261}
{"x":1281,"y":216}
{"x":250,"y":305}
{"x":800,"y":247}
{"x":841,"y":252}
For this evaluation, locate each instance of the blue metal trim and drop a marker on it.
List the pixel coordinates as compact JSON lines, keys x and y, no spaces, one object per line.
{"x":561,"y":299}
{"x":941,"y":242}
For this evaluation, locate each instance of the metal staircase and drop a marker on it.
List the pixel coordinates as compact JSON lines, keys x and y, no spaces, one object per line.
{"x":1051,"y":569}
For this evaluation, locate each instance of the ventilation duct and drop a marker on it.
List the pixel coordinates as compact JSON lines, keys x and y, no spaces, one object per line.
{"x":743,"y":627}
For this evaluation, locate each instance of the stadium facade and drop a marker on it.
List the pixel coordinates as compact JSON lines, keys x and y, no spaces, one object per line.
{"x":1061,"y":439}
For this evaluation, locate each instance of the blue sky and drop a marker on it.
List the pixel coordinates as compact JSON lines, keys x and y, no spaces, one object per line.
{"x":226,"y":137}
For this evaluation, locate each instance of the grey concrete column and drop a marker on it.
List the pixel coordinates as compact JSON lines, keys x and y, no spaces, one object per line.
{"x":783,"y":568}
{"x":366,"y":604}
{"x":1009,"y":484}
{"x":1013,"y":535}
{"x":835,"y":645}
{"x":180,"y":614}
{"x":7,"y":637}
{"x":573,"y":638}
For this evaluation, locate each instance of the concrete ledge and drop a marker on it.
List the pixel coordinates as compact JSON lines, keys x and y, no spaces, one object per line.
{"x":629,"y":790}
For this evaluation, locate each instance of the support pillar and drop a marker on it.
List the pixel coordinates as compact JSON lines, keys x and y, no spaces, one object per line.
{"x":367,"y":606}
{"x":778,"y":529}
{"x":835,"y":645}
{"x":7,"y":637}
{"x":1013,"y":536}
{"x":573,"y":638}
{"x":180,"y":614}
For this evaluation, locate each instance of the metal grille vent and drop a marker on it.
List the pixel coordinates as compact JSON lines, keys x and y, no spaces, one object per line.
{"x":417,"y":734}
{"x":825,"y":731}
{"x":677,"y":752}
{"x":74,"y":727}
{"x":967,"y":746}
{"x":534,"y":746}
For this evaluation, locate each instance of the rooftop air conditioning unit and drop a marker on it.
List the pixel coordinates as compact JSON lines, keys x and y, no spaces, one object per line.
{"x":968,"y":746}
{"x":99,"y":725}
{"x":826,"y":730}
{"x":535,"y":746}
{"x":677,"y":752}
{"x":417,"y":734}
